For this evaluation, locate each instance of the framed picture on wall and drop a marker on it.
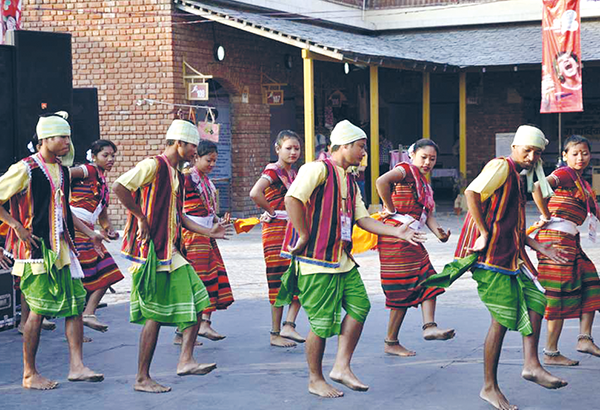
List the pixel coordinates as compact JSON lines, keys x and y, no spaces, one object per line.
{"x":198,"y":91}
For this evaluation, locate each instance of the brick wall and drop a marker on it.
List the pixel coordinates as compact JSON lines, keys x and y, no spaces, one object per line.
{"x":123,"y":48}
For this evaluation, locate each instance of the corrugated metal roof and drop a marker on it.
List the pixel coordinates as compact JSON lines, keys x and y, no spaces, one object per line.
{"x":487,"y":46}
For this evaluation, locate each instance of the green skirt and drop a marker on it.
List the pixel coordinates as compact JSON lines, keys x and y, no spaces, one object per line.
{"x":170,"y":298}
{"x":323,"y":295}
{"x":53,"y":293}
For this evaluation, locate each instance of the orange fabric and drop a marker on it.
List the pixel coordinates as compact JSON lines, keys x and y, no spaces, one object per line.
{"x":362,"y":240}
{"x":245,"y":225}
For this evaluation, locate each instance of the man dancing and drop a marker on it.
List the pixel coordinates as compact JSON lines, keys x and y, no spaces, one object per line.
{"x":165,"y":288}
{"x":323,"y":203}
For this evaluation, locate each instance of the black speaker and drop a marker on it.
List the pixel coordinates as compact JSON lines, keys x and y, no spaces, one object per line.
{"x":44,"y":79}
{"x":7,"y":107}
{"x":85,"y":121}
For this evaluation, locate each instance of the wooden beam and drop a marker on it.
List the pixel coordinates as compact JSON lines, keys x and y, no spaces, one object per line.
{"x":374,"y":151}
{"x":462,"y":122}
{"x":426,"y":105}
{"x":320,"y":57}
{"x":309,"y":108}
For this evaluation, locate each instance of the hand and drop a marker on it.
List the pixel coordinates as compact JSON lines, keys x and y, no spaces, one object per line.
{"x":410,"y":235}
{"x":385,"y":213}
{"x":539,"y":224}
{"x":143,"y":234}
{"x":97,"y":239}
{"x":479,"y":245}
{"x":5,"y":261}
{"x":226,"y":220}
{"x":111,"y":233}
{"x":300,"y":245}
{"x":265,"y":217}
{"x":29,"y":240}
{"x":220,"y":231}
{"x":554,"y":253}
{"x":442,"y":235}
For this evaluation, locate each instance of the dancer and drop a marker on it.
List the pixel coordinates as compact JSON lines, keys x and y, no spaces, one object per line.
{"x":165,"y":288}
{"x":269,"y":193}
{"x":408,"y":197}
{"x":572,"y":288}
{"x":323,"y":203}
{"x":40,"y":238}
{"x":89,"y":202}
{"x":200,"y":205}
{"x":494,"y":230}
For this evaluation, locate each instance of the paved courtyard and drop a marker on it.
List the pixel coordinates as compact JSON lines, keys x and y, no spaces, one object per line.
{"x":253,"y":375}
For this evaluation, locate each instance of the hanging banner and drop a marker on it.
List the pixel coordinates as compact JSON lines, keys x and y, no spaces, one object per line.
{"x":10,"y":17}
{"x":561,"y":58}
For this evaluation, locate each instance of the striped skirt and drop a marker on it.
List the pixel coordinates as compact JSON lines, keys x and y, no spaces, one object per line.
{"x":100,"y":272}
{"x":204,"y":256}
{"x":572,"y":288}
{"x":272,"y":239}
{"x":403,"y":267}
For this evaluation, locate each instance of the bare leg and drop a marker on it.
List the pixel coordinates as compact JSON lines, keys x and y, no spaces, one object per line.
{"x":392,"y":345}
{"x":552,"y":356}
{"x":315,"y":347}
{"x":89,"y":314}
{"x":46,"y":324}
{"x":347,"y":341}
{"x":31,"y":340}
{"x":276,"y":338}
{"x":532,"y":368}
{"x":491,"y":356}
{"x":206,"y":329}
{"x":430,"y":329}
{"x":148,"y":338}
{"x":77,"y":370}
{"x":187,"y":364}
{"x":289,"y":327}
{"x":584,"y":344}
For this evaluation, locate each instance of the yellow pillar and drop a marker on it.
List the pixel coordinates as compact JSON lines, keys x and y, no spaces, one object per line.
{"x":426,"y":105}
{"x":462,"y":122}
{"x":374,"y":151}
{"x":309,"y":107}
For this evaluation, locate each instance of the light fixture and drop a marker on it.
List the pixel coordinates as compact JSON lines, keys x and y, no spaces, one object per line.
{"x":346,"y":68}
{"x":288,"y":61}
{"x":219,"y":52}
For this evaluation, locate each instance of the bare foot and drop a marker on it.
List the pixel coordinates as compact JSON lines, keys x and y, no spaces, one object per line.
{"x":435,"y":333}
{"x":178,"y":340}
{"x":559,"y":360}
{"x":48,"y":325}
{"x":495,"y":397}
{"x":279,"y":341}
{"x":39,"y":382}
{"x":543,"y":378}
{"x":588,"y":346}
{"x":348,"y":379}
{"x":85,"y":375}
{"x":150,"y":386}
{"x":323,"y":389}
{"x":290,"y":333}
{"x":195,"y":369}
{"x":208,"y":332}
{"x":396,"y":349}
{"x":92,"y":322}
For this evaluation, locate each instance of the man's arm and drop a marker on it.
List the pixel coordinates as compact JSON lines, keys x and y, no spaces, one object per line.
{"x":403,"y":231}
{"x":218,"y":231}
{"x":476,"y":211}
{"x":129,"y":203}
{"x":295,"y":210}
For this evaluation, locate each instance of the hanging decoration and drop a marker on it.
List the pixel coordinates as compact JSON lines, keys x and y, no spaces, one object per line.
{"x":195,"y":83}
{"x":561,"y":59}
{"x":271,"y":91}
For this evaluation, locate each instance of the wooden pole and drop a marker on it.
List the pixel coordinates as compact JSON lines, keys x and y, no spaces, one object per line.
{"x":309,"y":107}
{"x":374,"y":151}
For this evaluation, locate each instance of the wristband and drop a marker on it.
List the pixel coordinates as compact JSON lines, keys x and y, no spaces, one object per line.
{"x":271,"y":216}
{"x":545,"y":219}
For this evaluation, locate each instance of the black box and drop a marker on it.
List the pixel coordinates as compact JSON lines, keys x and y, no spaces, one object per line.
{"x":8,"y":308}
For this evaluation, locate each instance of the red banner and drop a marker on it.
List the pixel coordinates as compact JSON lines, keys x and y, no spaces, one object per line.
{"x":561,"y":59}
{"x":10,"y":17}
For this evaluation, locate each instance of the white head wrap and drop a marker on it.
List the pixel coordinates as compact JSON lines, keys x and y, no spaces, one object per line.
{"x":534,"y":137}
{"x":185,"y":131}
{"x":346,"y":133}
{"x":53,"y":126}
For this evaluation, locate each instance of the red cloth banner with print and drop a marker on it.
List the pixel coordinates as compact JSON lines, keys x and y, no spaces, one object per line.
{"x":561,"y":59}
{"x":10,"y":17}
